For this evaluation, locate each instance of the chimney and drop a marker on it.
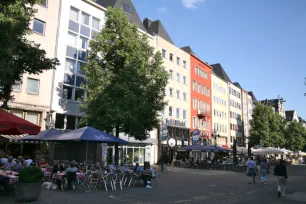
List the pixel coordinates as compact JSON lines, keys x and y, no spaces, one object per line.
{"x":147,"y":23}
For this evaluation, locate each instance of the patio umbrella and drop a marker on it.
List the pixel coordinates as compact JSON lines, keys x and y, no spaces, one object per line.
{"x":86,"y":134}
{"x":42,"y":135}
{"x":269,"y":150}
{"x":218,"y":149}
{"x":197,"y":147}
{"x":13,"y":125}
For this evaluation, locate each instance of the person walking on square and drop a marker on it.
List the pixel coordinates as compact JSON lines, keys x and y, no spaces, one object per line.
{"x":251,"y":165}
{"x":263,"y":171}
{"x":280,"y":171}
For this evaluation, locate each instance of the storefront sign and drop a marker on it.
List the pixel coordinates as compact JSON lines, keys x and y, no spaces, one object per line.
{"x":196,"y":137}
{"x":172,"y":142}
{"x":178,"y":123}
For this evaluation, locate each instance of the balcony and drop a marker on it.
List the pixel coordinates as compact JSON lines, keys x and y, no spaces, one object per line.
{"x":203,"y":113}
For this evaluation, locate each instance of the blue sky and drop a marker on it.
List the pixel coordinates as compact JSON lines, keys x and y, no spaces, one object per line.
{"x":260,"y":43}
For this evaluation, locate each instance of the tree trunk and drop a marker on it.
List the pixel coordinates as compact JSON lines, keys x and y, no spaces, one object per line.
{"x":116,"y":147}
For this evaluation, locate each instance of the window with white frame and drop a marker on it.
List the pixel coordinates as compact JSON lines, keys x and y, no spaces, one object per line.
{"x":177,"y":113}
{"x":170,"y":91}
{"x":178,"y":60}
{"x":43,"y":3}
{"x":32,"y":117}
{"x":74,"y":14}
{"x":184,"y":64}
{"x":171,"y":57}
{"x":196,"y":70}
{"x":194,"y":102}
{"x":184,"y":80}
{"x":33,"y":86}
{"x":178,"y":94}
{"x":85,"y":19}
{"x":72,"y":39}
{"x":199,"y":104}
{"x":164,"y":52}
{"x":95,"y":24}
{"x":170,"y":111}
{"x":199,"y":87}
{"x":171,"y":74}
{"x":185,"y":96}
{"x":194,"y":122}
{"x":194,"y":86}
{"x":39,"y":26}
{"x":178,"y":77}
{"x":184,"y":114}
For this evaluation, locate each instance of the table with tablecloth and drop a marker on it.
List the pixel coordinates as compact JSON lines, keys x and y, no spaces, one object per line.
{"x":11,"y":175}
{"x":61,"y":175}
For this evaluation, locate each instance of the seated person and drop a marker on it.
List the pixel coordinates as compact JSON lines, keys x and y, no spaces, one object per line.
{"x":72,"y":168}
{"x":71,"y":174}
{"x":3,"y":160}
{"x":18,"y":167}
{"x":10,"y":164}
{"x":43,"y":163}
{"x":147,"y":174}
{"x":138,"y":169}
{"x":28,"y":162}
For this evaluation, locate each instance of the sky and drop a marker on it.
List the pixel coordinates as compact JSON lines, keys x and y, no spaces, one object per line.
{"x":260,"y":43}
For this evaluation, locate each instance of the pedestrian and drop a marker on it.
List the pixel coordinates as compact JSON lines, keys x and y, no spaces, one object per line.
{"x":263,"y":171}
{"x":251,"y":172}
{"x":162,"y":161}
{"x":280,"y":171}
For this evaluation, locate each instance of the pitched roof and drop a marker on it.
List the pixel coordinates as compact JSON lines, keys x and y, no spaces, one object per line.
{"x":253,"y":96}
{"x":157,"y":28}
{"x":219,"y":71}
{"x":289,"y":115}
{"x":237,"y":84}
{"x":301,"y":120}
{"x":188,"y":50}
{"x":133,"y":16}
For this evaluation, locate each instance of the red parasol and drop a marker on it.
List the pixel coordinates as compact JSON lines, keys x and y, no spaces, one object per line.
{"x":13,"y":125}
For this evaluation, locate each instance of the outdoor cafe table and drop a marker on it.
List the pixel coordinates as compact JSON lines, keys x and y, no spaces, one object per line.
{"x":11,"y":175}
{"x":61,"y":175}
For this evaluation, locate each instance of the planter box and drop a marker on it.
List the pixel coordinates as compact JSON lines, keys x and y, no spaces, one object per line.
{"x":26,"y":192}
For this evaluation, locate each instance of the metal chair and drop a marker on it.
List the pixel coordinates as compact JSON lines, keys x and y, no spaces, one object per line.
{"x":118,"y":180}
{"x":108,"y":180}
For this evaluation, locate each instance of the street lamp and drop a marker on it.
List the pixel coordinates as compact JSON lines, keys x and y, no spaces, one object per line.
{"x":215,"y":135}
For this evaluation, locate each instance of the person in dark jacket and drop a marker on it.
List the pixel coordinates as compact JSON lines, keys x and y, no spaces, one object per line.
{"x":280,"y":171}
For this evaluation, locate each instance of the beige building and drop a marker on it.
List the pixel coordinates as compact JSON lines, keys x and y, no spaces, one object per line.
{"x":220,"y":109}
{"x":33,"y":95}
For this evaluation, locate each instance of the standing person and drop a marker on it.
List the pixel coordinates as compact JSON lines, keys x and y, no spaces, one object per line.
{"x":263,"y":171}
{"x":251,"y":165}
{"x":162,"y":162}
{"x":280,"y":171}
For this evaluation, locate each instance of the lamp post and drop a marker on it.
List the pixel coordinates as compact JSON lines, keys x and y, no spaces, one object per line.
{"x":215,"y":135}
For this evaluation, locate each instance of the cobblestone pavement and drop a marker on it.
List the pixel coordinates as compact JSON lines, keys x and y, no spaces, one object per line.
{"x":187,"y":186}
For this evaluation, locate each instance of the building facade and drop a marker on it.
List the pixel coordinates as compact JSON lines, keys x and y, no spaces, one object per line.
{"x":220,"y":109}
{"x":32,"y":96}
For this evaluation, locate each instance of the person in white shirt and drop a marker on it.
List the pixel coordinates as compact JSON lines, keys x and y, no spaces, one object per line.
{"x":28,"y":161}
{"x":3,"y":160}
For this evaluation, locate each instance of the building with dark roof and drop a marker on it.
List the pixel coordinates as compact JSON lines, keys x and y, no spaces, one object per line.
{"x":220,"y":72}
{"x":291,"y":115}
{"x":253,"y":96}
{"x":157,"y":28}
{"x":128,"y":7}
{"x":276,"y":104}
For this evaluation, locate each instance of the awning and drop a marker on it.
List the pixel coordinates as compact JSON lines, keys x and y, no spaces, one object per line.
{"x":14,"y":138}
{"x":226,"y":147}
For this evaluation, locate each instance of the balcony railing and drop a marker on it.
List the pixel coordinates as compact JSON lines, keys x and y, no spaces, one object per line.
{"x":203,"y":113}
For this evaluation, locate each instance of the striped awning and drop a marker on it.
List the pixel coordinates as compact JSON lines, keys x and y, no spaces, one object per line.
{"x":12,"y":138}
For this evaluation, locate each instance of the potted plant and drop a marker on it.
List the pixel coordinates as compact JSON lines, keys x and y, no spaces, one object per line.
{"x":29,"y":185}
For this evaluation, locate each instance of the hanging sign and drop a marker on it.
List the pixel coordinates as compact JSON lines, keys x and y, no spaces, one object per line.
{"x":196,"y":137}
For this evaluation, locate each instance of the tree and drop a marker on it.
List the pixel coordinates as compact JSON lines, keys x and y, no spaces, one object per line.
{"x":18,"y":55}
{"x":267,"y":128}
{"x":295,"y":136}
{"x":125,"y":80}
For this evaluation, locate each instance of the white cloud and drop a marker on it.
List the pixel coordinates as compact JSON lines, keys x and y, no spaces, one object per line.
{"x":162,"y":9}
{"x":191,"y":4}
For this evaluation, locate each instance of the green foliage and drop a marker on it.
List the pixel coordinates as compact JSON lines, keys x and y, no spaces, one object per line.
{"x":295,"y":136}
{"x":125,"y":80}
{"x":18,"y":55}
{"x":31,"y":175}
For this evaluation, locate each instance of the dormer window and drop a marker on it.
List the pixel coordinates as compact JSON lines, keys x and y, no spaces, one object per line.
{"x":128,"y":9}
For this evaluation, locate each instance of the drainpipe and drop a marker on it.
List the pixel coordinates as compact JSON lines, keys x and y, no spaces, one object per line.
{"x":55,"y":55}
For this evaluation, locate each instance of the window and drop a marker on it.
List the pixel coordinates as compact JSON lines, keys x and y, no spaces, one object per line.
{"x":177,"y":113}
{"x":83,"y":43}
{"x":85,"y":19}
{"x":170,"y":91}
{"x":128,"y":9}
{"x":199,"y":87}
{"x":17,"y":86}
{"x":74,"y":14}
{"x":178,"y":61}
{"x":199,"y":104}
{"x":208,"y":92}
{"x":171,"y":74}
{"x":194,"y":86}
{"x":194,"y":122}
{"x":170,"y":110}
{"x":32,"y":117}
{"x":72,"y":38}
{"x":43,"y":3}
{"x":185,"y":64}
{"x":185,"y":96}
{"x":184,"y":80}
{"x":196,"y":70}
{"x":178,"y":77}
{"x":33,"y":86}
{"x":95,"y":23}
{"x":164,"y":53}
{"x":67,"y":92}
{"x":178,"y":94}
{"x":39,"y":26}
{"x":171,"y":57}
{"x":184,"y":114}
{"x":17,"y":113}
{"x":194,"y":102}
{"x":69,"y":66}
